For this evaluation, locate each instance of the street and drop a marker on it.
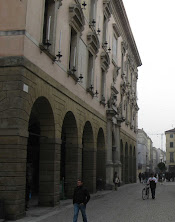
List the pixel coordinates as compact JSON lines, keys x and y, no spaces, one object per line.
{"x":124,"y":205}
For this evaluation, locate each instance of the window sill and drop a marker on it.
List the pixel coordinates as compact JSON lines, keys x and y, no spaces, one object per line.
{"x":90,"y":92}
{"x":71,"y":74}
{"x":46,"y":51}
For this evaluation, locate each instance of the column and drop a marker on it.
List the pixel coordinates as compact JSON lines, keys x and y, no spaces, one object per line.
{"x":49,"y":171}
{"x":117,"y":154}
{"x":109,"y":163}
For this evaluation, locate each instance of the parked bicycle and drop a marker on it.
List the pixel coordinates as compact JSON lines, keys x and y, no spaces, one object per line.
{"x":145,"y":192}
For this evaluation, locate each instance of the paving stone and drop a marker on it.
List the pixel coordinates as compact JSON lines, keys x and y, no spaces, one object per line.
{"x":124,"y":205}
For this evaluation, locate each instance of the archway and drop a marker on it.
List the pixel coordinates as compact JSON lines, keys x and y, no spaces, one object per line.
{"x":89,"y":158}
{"x":122,"y":160}
{"x":40,"y":155}
{"x":126,"y":163}
{"x":100,"y":161}
{"x":70,"y":160}
{"x":130,"y":165}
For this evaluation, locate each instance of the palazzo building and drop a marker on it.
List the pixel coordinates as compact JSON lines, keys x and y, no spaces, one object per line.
{"x":68,"y":99}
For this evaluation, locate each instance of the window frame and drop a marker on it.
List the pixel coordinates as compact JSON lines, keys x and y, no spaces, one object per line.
{"x":171,"y":144}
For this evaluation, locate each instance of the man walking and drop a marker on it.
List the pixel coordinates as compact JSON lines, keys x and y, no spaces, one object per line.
{"x":152,"y":182}
{"x":80,"y":199}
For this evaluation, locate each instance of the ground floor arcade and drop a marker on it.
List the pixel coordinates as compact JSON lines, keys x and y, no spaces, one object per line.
{"x":49,"y":139}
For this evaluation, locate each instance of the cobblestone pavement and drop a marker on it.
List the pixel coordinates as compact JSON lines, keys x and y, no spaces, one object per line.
{"x":124,"y":205}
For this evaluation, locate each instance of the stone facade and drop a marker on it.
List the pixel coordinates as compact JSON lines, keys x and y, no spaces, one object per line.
{"x":170,"y":148}
{"x":56,"y":126}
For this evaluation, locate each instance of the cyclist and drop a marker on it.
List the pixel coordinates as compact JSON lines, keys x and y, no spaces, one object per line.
{"x":152,"y":182}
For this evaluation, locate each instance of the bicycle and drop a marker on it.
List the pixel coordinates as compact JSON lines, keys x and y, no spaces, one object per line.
{"x":145,"y":192}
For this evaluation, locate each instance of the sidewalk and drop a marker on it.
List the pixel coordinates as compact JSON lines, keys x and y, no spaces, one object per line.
{"x":37,"y":214}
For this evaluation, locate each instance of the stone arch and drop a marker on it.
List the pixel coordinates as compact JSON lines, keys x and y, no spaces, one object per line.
{"x":41,"y":149}
{"x":130,"y":165}
{"x":69,"y":154}
{"x":100,"y":160}
{"x":88,"y":158}
{"x":126,"y":163}
{"x":122,"y":160}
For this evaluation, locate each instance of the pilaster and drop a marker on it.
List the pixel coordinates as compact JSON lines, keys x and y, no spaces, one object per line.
{"x":109,"y":163}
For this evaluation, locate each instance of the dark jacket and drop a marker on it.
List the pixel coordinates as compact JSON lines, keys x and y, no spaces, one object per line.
{"x":81,"y":195}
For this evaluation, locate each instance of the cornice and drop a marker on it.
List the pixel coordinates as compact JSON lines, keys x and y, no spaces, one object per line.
{"x":93,"y":42}
{"x":116,"y":29}
{"x":77,"y":19}
{"x":105,"y":61}
{"x":119,"y":7}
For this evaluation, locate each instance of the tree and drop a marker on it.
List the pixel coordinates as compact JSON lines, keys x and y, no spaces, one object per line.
{"x":161,"y":166}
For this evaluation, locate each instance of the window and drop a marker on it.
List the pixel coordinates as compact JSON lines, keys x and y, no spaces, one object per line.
{"x":171,"y":135}
{"x":103,"y":82}
{"x":73,"y":50}
{"x":105,"y":31}
{"x":114,"y":49}
{"x":93,"y":12}
{"x":171,"y":144}
{"x":122,"y":61}
{"x":171,"y":157}
{"x":48,"y":26}
{"x":76,"y":22}
{"x":90,"y":82}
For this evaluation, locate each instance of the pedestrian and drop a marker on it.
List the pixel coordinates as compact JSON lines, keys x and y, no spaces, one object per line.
{"x":116,"y":181}
{"x":81,"y":197}
{"x":140,"y":177}
{"x":152,"y":181}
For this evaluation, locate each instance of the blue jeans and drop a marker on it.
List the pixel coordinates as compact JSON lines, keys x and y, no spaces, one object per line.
{"x":82,"y":208}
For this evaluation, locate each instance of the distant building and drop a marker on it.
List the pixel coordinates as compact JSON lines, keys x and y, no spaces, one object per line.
{"x":150,"y":154}
{"x":155,"y":159}
{"x":170,"y":149}
{"x":144,"y":151}
{"x":161,"y":155}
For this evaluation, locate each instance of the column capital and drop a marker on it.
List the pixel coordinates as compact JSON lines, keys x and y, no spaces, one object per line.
{"x":110,"y":113}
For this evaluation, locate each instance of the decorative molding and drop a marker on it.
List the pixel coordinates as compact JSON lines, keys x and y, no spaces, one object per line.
{"x":120,"y":10}
{"x":116,"y":29}
{"x":59,"y":2}
{"x":93,"y":42}
{"x":103,"y":100}
{"x":114,"y":90}
{"x":124,"y":47}
{"x":123,"y":87}
{"x":105,"y":61}
{"x":115,"y":73}
{"x":110,"y":113}
{"x":77,"y":20}
{"x":107,"y":8}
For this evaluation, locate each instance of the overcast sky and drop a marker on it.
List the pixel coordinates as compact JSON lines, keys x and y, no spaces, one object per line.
{"x":153,"y":26}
